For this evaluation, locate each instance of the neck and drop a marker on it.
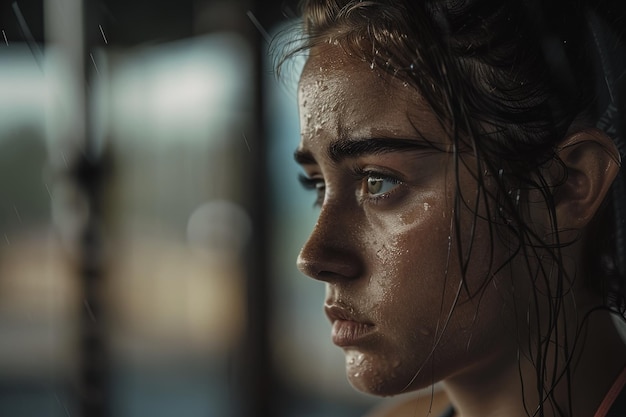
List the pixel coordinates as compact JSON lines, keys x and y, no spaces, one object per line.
{"x":508,"y":385}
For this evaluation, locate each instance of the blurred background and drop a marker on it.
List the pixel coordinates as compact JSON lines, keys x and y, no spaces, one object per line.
{"x":150,"y":216}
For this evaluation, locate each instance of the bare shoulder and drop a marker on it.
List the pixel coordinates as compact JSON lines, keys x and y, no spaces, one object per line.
{"x":421,"y":404}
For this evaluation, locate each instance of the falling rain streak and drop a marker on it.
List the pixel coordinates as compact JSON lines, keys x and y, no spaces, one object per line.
{"x":260,"y":28}
{"x":88,"y":308}
{"x":30,"y":40}
{"x":246,"y":140}
{"x":48,"y":189}
{"x":4,"y":35}
{"x":19,"y":218}
{"x":62,"y":404}
{"x":103,"y":35}
{"x":94,"y":63}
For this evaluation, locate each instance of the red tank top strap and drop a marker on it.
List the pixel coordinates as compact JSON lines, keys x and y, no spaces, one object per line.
{"x":611,"y":396}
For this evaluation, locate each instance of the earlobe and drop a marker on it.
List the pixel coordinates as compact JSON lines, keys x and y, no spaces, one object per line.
{"x":591,"y":161}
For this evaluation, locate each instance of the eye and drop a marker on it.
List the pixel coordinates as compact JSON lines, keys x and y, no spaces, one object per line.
{"x":314,"y":184}
{"x":377,"y":185}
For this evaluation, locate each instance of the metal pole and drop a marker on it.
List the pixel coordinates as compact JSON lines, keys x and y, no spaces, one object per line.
{"x":259,"y":383}
{"x":77,"y":163}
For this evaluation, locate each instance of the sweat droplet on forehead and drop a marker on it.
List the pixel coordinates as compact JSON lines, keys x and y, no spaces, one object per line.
{"x":341,"y":97}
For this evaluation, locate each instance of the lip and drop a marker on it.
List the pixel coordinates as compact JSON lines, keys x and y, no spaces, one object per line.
{"x":347,"y":330}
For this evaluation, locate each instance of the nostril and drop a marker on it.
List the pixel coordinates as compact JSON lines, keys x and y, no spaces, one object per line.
{"x":331,"y":265}
{"x":313,"y":270}
{"x":327,"y":276}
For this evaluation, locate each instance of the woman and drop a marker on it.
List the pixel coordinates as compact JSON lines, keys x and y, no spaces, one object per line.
{"x":465,"y":157}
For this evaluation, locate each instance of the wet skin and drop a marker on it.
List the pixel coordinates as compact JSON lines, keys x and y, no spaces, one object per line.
{"x":385,"y":244}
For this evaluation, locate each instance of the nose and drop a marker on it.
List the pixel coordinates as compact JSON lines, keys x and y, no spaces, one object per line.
{"x":332,"y":251}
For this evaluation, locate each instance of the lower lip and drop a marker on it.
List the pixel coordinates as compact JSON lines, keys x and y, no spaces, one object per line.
{"x":348,"y":333}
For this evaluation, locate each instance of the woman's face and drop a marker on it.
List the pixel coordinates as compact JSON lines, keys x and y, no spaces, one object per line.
{"x":385,"y":242}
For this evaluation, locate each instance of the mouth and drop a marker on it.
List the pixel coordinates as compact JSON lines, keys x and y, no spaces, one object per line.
{"x":347,"y":330}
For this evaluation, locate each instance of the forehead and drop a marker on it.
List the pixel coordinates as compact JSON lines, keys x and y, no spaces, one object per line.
{"x":343,"y":96}
{"x":330,"y":68}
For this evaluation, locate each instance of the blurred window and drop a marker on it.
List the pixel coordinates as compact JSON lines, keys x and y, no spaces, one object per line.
{"x":170,"y":122}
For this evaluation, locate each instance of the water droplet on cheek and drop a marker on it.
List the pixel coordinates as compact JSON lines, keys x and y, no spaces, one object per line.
{"x":426,"y":206}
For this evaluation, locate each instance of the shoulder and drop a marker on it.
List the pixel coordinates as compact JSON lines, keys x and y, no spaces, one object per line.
{"x":425,"y":403}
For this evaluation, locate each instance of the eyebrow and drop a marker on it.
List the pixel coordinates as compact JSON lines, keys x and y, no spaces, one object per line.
{"x":342,"y":149}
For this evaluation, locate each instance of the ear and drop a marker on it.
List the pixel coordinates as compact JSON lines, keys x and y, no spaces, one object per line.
{"x":592,"y":161}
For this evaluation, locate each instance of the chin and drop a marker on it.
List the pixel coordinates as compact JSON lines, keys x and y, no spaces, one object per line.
{"x":373,"y":388}
{"x":380,"y":386}
{"x":380,"y":379}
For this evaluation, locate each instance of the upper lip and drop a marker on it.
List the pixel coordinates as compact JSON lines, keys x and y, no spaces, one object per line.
{"x":339,"y":312}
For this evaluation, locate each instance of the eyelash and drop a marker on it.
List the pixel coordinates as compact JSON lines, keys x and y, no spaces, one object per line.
{"x":318,"y":185}
{"x":313,"y":184}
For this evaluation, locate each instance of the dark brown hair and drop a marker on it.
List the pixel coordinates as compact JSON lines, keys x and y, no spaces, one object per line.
{"x":508,"y":79}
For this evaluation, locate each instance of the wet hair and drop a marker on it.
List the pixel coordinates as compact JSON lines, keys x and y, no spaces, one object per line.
{"x":509,"y":80}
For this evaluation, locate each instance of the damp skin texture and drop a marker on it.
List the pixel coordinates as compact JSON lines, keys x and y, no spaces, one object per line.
{"x":384,"y":243}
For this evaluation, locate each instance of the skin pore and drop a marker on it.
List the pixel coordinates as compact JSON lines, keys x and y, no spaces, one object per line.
{"x":386,"y":247}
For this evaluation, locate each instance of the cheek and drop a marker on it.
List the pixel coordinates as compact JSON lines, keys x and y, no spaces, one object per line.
{"x":415,"y":277}
{"x":417,"y":255}
{"x":436,"y":313}
{"x":430,"y":325}
{"x":409,"y":265}
{"x":406,"y":287}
